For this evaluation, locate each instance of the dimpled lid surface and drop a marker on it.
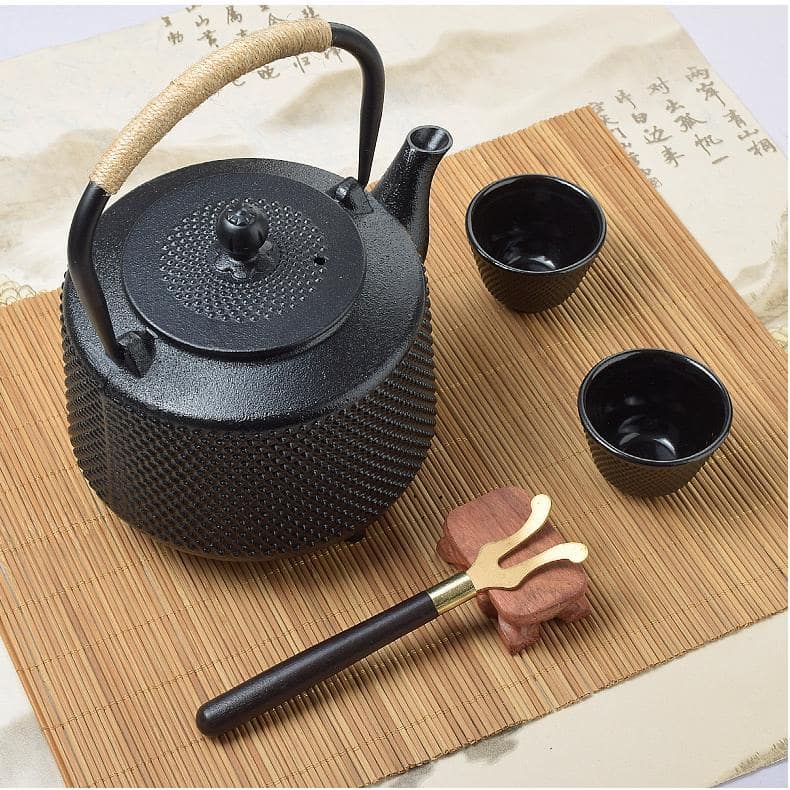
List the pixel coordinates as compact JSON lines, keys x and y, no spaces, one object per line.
{"x":182,"y":281}
{"x":249,"y":350}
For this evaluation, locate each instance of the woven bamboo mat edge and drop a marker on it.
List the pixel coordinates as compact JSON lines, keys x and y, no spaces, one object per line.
{"x":41,"y":711}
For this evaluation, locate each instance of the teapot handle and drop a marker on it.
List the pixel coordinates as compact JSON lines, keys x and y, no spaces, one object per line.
{"x":176,"y":101}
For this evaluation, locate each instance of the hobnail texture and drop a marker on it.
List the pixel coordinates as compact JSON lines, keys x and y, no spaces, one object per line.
{"x":203,"y":291}
{"x":534,"y":237}
{"x":652,"y":417}
{"x":256,"y":495}
{"x":641,"y":480}
{"x":527,"y":292}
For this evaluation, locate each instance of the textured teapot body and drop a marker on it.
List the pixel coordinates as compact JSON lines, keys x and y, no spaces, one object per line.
{"x":252,"y":456}
{"x":247,"y":342}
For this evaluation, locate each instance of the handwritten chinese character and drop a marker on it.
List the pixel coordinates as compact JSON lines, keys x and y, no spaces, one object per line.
{"x":652,"y":179}
{"x":201,"y":21}
{"x":190,"y":8}
{"x":166,"y":20}
{"x":709,"y":91}
{"x":673,"y":106}
{"x":671,"y":157}
{"x":209,"y":37}
{"x":746,"y":133}
{"x":639,"y":117}
{"x":332,"y":51}
{"x":264,"y":8}
{"x":695,"y":73}
{"x":687,"y":121}
{"x":309,"y":13}
{"x":621,"y":96}
{"x":601,"y":113}
{"x":656,"y":135}
{"x":301,"y":61}
{"x":659,"y":86}
{"x":242,"y":32}
{"x":232,"y":15}
{"x":758,"y":146}
{"x":175,"y":37}
{"x":274,"y":20}
{"x":733,"y":117}
{"x":706,"y":142}
{"x":719,"y":160}
{"x":268,"y":73}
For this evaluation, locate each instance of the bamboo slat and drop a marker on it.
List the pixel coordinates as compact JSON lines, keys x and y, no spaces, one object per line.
{"x":118,"y":640}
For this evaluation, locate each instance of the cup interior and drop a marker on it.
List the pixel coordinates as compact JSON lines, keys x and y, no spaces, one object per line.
{"x":536,"y":223}
{"x":655,"y":406}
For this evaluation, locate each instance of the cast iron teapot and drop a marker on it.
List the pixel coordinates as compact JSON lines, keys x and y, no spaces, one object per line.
{"x":247,"y":342}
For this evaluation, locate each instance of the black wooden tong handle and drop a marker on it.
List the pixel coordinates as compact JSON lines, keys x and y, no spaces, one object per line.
{"x":304,"y":670}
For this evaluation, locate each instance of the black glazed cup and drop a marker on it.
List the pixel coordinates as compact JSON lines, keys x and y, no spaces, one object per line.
{"x":534,"y":237}
{"x":652,"y":418}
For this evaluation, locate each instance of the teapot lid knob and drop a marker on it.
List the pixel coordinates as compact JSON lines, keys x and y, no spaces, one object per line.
{"x":242,"y":231}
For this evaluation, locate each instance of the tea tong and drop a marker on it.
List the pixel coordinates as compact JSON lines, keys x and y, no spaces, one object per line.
{"x":304,"y":670}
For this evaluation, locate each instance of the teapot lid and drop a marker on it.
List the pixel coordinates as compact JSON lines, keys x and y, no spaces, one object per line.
{"x":251,"y":264}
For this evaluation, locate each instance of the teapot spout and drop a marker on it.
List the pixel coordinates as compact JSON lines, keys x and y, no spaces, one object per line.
{"x":405,"y":188}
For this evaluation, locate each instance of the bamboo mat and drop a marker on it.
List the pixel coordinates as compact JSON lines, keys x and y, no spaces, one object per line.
{"x":118,"y":639}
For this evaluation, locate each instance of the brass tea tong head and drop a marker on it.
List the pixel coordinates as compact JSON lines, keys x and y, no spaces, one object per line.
{"x":304,"y":670}
{"x":486,"y":572}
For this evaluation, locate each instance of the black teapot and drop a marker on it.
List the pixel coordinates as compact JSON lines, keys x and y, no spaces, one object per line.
{"x":247,"y":342}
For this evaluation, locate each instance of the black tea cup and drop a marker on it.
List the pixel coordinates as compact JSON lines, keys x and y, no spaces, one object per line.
{"x":534,"y":237}
{"x":652,"y":418}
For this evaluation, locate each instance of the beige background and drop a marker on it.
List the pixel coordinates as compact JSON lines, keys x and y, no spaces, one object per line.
{"x":480,"y":72}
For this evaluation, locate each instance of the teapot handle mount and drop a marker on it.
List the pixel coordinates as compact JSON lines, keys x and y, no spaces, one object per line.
{"x":176,"y":101}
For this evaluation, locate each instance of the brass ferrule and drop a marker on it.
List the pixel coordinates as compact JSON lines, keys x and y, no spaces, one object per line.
{"x":452,"y":592}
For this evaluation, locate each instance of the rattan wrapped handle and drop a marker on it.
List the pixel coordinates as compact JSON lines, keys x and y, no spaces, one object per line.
{"x":175,"y":102}
{"x":196,"y":84}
